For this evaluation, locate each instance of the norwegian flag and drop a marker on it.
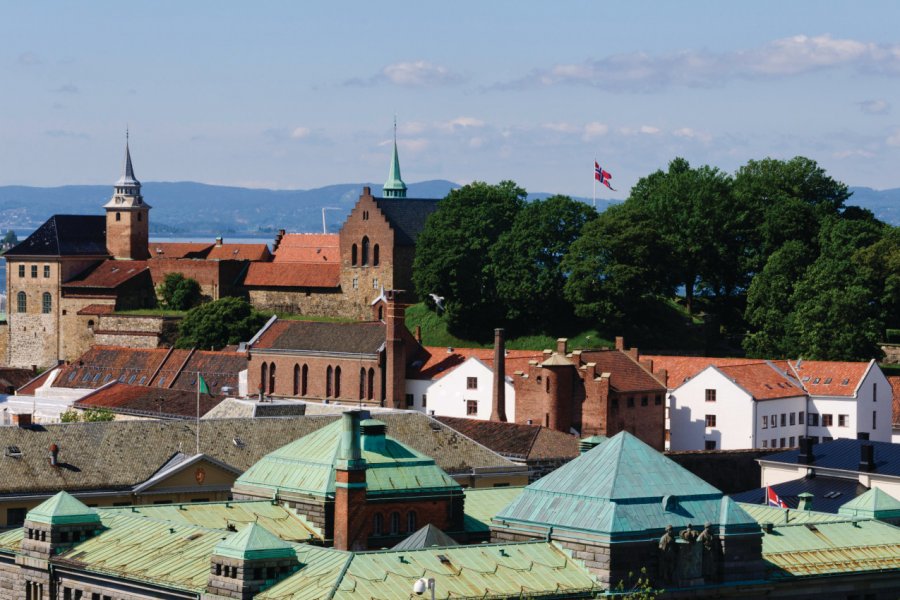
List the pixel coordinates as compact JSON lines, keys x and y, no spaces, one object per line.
{"x":602,"y":176}
{"x":772,"y":499}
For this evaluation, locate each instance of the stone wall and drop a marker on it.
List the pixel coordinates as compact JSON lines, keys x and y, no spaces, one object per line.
{"x":314,"y":302}
{"x":136,"y":331}
{"x":891,"y":353}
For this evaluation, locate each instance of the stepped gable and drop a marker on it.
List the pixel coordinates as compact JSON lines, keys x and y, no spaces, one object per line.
{"x":294,"y":274}
{"x":109,"y":274}
{"x":622,"y":488}
{"x":407,"y":216}
{"x":318,"y":336}
{"x":626,"y":375}
{"x":65,"y":235}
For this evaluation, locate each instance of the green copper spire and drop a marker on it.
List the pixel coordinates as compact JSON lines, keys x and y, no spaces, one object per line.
{"x":394,"y":186}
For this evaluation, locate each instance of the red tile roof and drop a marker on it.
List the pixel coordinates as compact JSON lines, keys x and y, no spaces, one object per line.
{"x":763,"y":381}
{"x":33,"y":383}
{"x":437,"y":361}
{"x":626,"y":375}
{"x":97,"y":309}
{"x":179,"y":249}
{"x":102,"y":364}
{"x":680,"y":369}
{"x":309,"y":247}
{"x":219,"y":370}
{"x":258,"y":252}
{"x":146,"y":401}
{"x":303,"y":275}
{"x":109,"y":274}
{"x":517,"y":441}
{"x":829,"y":378}
{"x":895,"y":386}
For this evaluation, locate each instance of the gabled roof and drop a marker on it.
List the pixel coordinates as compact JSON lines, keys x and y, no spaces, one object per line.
{"x":108,"y":274}
{"x":762,"y":380}
{"x":407,"y":216}
{"x":831,"y":378}
{"x":294,"y":275}
{"x":179,"y":249}
{"x":317,"y":336}
{"x":63,"y":509}
{"x":626,"y":375}
{"x":144,"y":401}
{"x":622,"y":487}
{"x":65,"y":235}
{"x":529,"y":442}
{"x":680,"y":369}
{"x":426,"y":537}
{"x":434,"y":362}
{"x":309,"y":247}
{"x":253,"y":542}
{"x":254,"y":252}
{"x":29,"y":388}
{"x":844,"y":454}
{"x":874,"y":504}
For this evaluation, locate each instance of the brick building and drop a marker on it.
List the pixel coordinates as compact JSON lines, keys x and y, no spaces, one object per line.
{"x":594,"y":392}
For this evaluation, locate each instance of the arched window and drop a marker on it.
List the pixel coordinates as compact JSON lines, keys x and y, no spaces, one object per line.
{"x":263,"y":377}
{"x":337,"y":382}
{"x":353,"y":255}
{"x":296,"y":379}
{"x":271,"y":378}
{"x":395,"y":523}
{"x":375,"y":257}
{"x":21,"y":302}
{"x":377,"y":524}
{"x":46,"y":303}
{"x":371,"y":384}
{"x":411,"y":521}
{"x":365,"y":251}
{"x":304,"y":378}
{"x":362,"y":384}
{"x":328,"y":374}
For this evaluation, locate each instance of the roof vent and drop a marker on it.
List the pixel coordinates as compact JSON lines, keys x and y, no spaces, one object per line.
{"x":13,"y":452}
{"x":238,"y":442}
{"x":867,"y":457}
{"x":443,"y":558}
{"x":449,"y":349}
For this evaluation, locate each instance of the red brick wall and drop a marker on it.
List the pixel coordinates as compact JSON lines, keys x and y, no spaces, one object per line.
{"x":350,"y":523}
{"x":316,"y":378}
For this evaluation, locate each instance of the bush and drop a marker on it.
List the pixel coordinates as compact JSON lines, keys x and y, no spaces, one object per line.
{"x":178,"y":292}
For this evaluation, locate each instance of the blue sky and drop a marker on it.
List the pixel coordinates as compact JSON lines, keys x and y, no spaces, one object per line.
{"x":299,"y":95}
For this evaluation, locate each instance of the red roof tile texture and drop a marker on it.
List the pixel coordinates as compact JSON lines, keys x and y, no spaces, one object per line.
{"x":830,"y":378}
{"x":680,"y":369}
{"x":309,"y":247}
{"x":763,"y":381}
{"x":302,"y":275}
{"x":256,"y":252}
{"x":27,"y":382}
{"x":895,"y":386}
{"x":438,"y":362}
{"x":179,"y":249}
{"x":109,"y":274}
{"x":148,"y":401}
{"x":626,"y":375}
{"x":98,"y":309}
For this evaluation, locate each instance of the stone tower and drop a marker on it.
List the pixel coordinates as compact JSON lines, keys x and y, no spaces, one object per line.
{"x":394,"y":186}
{"x":127,"y":217}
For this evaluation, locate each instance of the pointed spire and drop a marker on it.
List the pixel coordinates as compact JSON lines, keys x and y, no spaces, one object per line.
{"x":394,"y":186}
{"x":128,"y":177}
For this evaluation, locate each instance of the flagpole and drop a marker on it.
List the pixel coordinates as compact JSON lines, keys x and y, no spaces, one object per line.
{"x":198,"y":413}
{"x":595,"y":185}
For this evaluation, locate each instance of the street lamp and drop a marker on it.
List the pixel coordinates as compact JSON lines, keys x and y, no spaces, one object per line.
{"x":423,"y":584}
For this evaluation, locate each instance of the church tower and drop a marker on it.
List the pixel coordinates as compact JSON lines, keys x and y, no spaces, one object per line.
{"x":127,"y":217}
{"x":394,"y":186}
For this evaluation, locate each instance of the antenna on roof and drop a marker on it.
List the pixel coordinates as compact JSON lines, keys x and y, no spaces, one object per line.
{"x":324,"y":208}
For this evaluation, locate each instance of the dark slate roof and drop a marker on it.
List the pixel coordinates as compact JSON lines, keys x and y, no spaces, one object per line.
{"x":317,"y":336}
{"x":516,"y":441}
{"x":844,"y":454}
{"x":829,"y":493}
{"x":407,"y":216}
{"x":65,"y":235}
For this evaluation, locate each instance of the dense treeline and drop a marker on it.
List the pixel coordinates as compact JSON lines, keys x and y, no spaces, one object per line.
{"x":770,"y":255}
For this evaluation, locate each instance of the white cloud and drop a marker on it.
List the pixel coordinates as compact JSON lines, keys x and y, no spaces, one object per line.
{"x":875,"y":107}
{"x":300,"y":132}
{"x":594,"y":129}
{"x":853,"y":153}
{"x":560,"y":127}
{"x":894,"y":138}
{"x":692,"y":134}
{"x":649,"y":130}
{"x":417,"y":73}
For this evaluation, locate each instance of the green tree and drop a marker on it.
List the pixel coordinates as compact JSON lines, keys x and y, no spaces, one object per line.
{"x":453,"y":254}
{"x":69,"y":416}
{"x":93,"y":415}
{"x":880,"y":262}
{"x":179,"y":292}
{"x":10,"y":239}
{"x":527,"y":260}
{"x":217,"y":324}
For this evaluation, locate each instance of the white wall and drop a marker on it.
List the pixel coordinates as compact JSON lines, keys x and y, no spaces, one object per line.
{"x":448,"y":396}
{"x":874,"y":394}
{"x":779,"y":436}
{"x":688,"y":409}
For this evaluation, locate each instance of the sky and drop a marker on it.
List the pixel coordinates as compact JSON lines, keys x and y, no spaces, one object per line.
{"x":297,"y":95}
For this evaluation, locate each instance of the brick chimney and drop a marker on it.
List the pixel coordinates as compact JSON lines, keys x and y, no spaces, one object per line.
{"x":22,"y":420}
{"x":620,"y":343}
{"x":350,"y":520}
{"x":562,"y":346}
{"x":498,"y":400}
{"x":396,"y":351}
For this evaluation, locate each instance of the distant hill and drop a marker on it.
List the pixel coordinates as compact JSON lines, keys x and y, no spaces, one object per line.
{"x":197,"y":208}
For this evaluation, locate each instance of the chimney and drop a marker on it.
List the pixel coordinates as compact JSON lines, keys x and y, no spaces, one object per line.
{"x":396,"y":351}
{"x":54,"y":455}
{"x":350,"y":520}
{"x":867,"y":457}
{"x":22,"y":420}
{"x":806,"y":501}
{"x":498,"y":400}
{"x":620,"y":342}
{"x":806,"y":456}
{"x":562,"y":346}
{"x":576,"y":358}
{"x":219,"y":241}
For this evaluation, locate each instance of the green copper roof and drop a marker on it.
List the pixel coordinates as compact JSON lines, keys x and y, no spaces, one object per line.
{"x":307,"y":465}
{"x":874,"y":504}
{"x":623,"y":488}
{"x":62,"y":509}
{"x":253,"y":542}
{"x":394,"y":186}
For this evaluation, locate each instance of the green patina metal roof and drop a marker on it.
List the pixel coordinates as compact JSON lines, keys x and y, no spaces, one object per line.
{"x":254,"y":542}
{"x":622,"y":487}
{"x":483,"y":503}
{"x":394,"y":186}
{"x":426,"y":537}
{"x":63,"y":509}
{"x":873,"y":504}
{"x":307,"y":466}
{"x":787,"y":516}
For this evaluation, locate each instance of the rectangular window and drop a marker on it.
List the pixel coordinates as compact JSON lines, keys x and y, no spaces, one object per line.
{"x":843,"y":420}
{"x":874,"y":420}
{"x":783,"y":420}
{"x":409,"y":401}
{"x":615,"y":403}
{"x":827,"y":421}
{"x":424,"y":400}
{"x":471,"y":383}
{"x":791,"y":441}
{"x":781,"y":445}
{"x":813,"y":419}
{"x":657,"y":400}
{"x":34,"y":270}
{"x":471,"y":407}
{"x":765,"y":424}
{"x":793,"y":420}
{"x":815,"y":439}
{"x":630,"y":401}
{"x":46,"y":271}
{"x":375,"y":283}
{"x":21,"y":270}
{"x":644,"y":401}
{"x":356,"y":283}
{"x":800,"y":417}
{"x":874,"y":392}
{"x":21,"y":302}
{"x":710,"y":420}
{"x":710,"y":444}
{"x":765,"y":443}
{"x":710,"y":395}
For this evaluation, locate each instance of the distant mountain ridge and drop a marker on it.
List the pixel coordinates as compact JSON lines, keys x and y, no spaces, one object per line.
{"x":190,"y":207}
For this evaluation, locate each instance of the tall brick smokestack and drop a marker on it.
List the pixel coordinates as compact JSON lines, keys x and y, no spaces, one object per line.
{"x":350,"y":521}
{"x":498,"y":400}
{"x":396,"y":351}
